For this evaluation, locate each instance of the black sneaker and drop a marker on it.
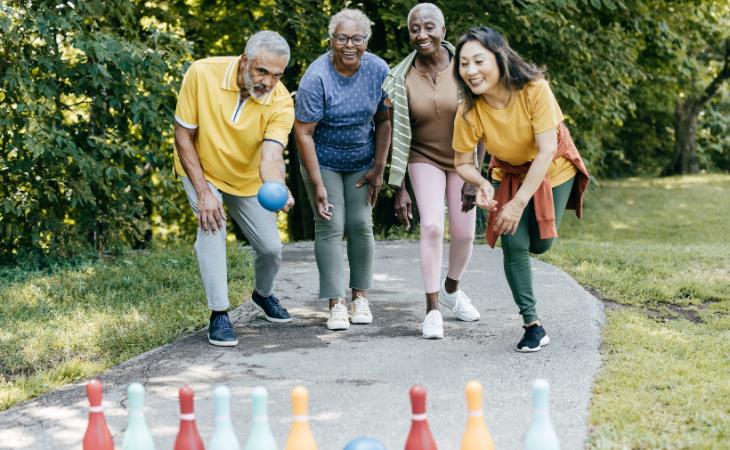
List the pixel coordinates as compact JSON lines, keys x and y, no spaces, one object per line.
{"x":533,"y":340}
{"x":220,"y":331}
{"x":272,"y":309}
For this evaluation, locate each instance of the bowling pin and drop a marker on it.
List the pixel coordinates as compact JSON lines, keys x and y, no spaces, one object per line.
{"x":260,"y":437}
{"x":300,"y":435}
{"x":97,"y":436}
{"x":476,"y":435}
{"x":188,"y":437}
{"x":138,"y":436}
{"x":223,"y":436}
{"x":541,"y":434}
{"x":419,"y":437}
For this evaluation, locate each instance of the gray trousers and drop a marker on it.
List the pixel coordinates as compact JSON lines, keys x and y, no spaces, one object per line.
{"x":259,"y":227}
{"x":351,"y":217}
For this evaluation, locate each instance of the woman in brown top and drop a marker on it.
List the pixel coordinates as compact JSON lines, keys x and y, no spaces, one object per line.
{"x":431,"y":96}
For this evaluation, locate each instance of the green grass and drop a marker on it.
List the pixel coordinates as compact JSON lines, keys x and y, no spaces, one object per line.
{"x":658,"y":252}
{"x":67,"y":323}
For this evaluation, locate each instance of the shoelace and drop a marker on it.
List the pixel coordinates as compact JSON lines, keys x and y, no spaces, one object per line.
{"x":223,"y":324}
{"x":339,"y":312}
{"x":361,"y":306}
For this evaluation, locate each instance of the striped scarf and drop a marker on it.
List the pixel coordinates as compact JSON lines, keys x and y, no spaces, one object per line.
{"x":395,"y":88}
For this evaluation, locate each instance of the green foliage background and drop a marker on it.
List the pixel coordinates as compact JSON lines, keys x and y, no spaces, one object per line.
{"x":87,"y":94}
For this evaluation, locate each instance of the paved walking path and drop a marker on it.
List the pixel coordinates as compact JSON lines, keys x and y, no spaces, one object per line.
{"x":358,"y":380}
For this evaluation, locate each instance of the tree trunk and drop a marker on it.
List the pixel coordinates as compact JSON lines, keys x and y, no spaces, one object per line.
{"x":685,"y":123}
{"x":685,"y":140}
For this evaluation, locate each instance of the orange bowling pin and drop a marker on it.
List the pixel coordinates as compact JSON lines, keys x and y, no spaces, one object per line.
{"x":476,"y":436}
{"x":97,"y":436}
{"x":300,"y":435}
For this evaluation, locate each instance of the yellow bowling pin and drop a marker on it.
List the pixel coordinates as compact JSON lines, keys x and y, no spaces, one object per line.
{"x":300,"y":435}
{"x":476,"y":435}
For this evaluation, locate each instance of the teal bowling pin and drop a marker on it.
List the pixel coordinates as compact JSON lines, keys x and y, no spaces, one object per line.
{"x":137,"y":436}
{"x":260,"y":437}
{"x":223,"y":436}
{"x":541,"y":435}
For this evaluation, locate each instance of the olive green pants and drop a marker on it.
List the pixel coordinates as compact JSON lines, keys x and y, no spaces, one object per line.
{"x":516,"y":249}
{"x":351,"y":218}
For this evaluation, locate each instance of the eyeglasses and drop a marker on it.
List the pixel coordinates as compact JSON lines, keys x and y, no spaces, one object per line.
{"x":357,"y":40}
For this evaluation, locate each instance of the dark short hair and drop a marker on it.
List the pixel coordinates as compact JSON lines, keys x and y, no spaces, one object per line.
{"x":514,"y":72}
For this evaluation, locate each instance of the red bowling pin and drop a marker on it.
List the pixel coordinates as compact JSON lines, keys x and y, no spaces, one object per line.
{"x":420,"y":437}
{"x":188,"y":437}
{"x":97,"y":436}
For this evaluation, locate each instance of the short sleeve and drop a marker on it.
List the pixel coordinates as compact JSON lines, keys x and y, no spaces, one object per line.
{"x":383,"y":75}
{"x":186,"y":110}
{"x":544,"y":111}
{"x":467,"y":131}
{"x":389,"y":86}
{"x":281,"y":122}
{"x":310,"y":99}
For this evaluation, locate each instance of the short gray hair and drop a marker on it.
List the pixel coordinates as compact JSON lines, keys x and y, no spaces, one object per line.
{"x":269,"y":41}
{"x":354,"y":15}
{"x":431,"y":7}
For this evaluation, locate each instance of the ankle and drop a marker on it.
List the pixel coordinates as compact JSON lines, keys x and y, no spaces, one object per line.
{"x":214,"y":313}
{"x":451,"y":285}
{"x":334,"y":301}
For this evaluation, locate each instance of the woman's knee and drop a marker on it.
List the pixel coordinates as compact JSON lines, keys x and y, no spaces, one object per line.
{"x":541,"y":246}
{"x":432,"y":231}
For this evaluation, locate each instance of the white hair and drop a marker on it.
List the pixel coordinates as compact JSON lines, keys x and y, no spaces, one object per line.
{"x":430,"y":7}
{"x":269,"y":41}
{"x":354,"y":15}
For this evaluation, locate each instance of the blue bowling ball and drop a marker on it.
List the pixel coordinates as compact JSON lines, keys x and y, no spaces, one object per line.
{"x":364,"y":443}
{"x":273,"y":195}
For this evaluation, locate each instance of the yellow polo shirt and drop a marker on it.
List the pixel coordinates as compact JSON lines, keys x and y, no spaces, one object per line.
{"x":230,"y":132}
{"x":509,"y":133}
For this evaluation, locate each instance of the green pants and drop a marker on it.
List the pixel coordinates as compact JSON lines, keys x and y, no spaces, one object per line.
{"x":517,"y":248}
{"x":351,"y":217}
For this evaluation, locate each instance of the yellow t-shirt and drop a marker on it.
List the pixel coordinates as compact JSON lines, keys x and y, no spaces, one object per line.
{"x":230,"y":132}
{"x":509,"y":133}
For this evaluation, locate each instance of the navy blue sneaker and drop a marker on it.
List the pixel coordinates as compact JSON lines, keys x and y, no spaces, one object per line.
{"x":272,"y":309}
{"x":534,"y":339}
{"x":220,"y":331}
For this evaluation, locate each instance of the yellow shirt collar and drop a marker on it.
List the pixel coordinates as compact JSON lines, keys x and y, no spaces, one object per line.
{"x":230,"y":83}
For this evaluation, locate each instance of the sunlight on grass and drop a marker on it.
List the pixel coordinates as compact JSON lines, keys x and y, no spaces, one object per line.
{"x":64,"y":325}
{"x":664,"y":383}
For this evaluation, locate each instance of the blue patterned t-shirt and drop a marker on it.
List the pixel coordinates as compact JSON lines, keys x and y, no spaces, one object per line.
{"x":344,"y":108}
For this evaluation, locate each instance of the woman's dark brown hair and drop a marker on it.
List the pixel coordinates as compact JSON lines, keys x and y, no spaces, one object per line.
{"x":514,"y":72}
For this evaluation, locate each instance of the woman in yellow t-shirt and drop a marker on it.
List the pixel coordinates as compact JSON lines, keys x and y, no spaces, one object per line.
{"x":535,"y":168}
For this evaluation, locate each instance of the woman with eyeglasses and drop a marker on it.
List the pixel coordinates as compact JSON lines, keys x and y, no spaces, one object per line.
{"x":424,"y":95}
{"x":535,"y":170}
{"x":342,"y":132}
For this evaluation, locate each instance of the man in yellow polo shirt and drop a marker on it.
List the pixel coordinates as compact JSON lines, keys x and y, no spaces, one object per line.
{"x":232,"y":122}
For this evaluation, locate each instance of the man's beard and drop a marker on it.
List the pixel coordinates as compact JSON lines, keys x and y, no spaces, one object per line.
{"x":255,"y":90}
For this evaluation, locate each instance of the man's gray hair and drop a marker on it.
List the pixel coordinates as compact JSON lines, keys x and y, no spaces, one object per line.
{"x":354,"y":15}
{"x":432,"y":8}
{"x":268,"y":41}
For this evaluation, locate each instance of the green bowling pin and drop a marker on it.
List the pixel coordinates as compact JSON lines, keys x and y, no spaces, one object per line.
{"x":541,"y":435}
{"x":260,"y":437}
{"x":138,"y":436}
{"x":223,"y":436}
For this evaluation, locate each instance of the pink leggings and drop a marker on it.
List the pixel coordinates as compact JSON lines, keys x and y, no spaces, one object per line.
{"x":430,"y":184}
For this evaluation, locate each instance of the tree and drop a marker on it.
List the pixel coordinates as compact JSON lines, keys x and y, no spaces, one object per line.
{"x":87,"y":92}
{"x":686,"y":115}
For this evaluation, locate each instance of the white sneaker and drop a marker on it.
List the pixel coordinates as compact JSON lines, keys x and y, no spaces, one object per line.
{"x":459,"y":303}
{"x":339,"y":319}
{"x":361,"y":311}
{"x":433,"y":325}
